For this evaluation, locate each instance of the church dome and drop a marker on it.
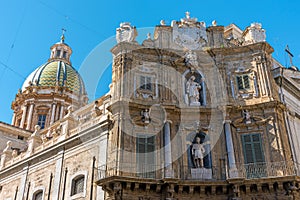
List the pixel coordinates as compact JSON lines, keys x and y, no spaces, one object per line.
{"x":56,"y":73}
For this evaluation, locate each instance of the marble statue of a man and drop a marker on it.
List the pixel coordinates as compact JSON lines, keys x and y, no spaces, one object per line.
{"x":193,"y":90}
{"x":198,"y":153}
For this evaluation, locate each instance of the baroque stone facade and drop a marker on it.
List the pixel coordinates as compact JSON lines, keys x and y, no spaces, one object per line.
{"x":196,"y":112}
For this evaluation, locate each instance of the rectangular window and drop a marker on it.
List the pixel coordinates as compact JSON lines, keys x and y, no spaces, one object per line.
{"x":243,"y":82}
{"x":42,"y":121}
{"x":255,"y":166}
{"x":20,"y":137}
{"x":145,"y":147}
{"x":253,"y":152}
{"x":145,"y":83}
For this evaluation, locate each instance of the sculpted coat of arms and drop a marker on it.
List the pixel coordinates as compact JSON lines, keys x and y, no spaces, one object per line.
{"x":189,"y":34}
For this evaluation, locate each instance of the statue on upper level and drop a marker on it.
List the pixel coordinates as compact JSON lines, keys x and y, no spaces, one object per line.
{"x":193,"y":91}
{"x":189,"y":33}
{"x":255,"y":33}
{"x":126,"y":33}
{"x":198,"y":153}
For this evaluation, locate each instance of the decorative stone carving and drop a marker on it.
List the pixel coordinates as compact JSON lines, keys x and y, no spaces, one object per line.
{"x":126,"y":33}
{"x":70,"y":111}
{"x":96,"y":110}
{"x":193,"y":91}
{"x":191,"y":59}
{"x":214,"y":23}
{"x":162,"y":22}
{"x":36,"y":132}
{"x":247,"y":116}
{"x":145,"y":116}
{"x":255,"y":34}
{"x":8,"y":147}
{"x":117,"y":189}
{"x":189,"y":34}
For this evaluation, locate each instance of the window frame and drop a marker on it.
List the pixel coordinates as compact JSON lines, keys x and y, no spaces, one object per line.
{"x":42,"y":123}
{"x":252,"y":143}
{"x":72,"y":179}
{"x":152,"y":90}
{"x":38,"y":190}
{"x":145,"y":164}
{"x":243,"y":81}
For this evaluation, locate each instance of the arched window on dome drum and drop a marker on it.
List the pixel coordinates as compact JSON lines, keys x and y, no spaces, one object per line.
{"x":58,"y":53}
{"x":38,"y":195}
{"x":65,"y":54}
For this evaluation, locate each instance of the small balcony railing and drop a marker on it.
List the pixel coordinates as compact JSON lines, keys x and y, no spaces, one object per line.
{"x":261,"y":170}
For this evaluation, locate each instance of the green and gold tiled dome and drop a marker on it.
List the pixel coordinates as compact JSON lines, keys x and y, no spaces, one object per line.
{"x":56,"y":72}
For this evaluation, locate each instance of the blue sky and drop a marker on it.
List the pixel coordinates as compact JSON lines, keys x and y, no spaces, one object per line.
{"x":30,"y":27}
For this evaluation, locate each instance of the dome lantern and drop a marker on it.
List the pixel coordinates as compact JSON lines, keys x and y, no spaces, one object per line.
{"x":61,"y":51}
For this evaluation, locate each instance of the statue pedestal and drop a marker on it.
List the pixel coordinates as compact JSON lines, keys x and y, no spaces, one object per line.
{"x":195,"y":104}
{"x":201,"y":173}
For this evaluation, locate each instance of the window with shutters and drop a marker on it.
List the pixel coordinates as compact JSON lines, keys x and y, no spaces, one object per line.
{"x":77,"y":185}
{"x":38,"y":195}
{"x":243,"y":82}
{"x":145,"y":147}
{"x":253,"y":152}
{"x":253,"y":156}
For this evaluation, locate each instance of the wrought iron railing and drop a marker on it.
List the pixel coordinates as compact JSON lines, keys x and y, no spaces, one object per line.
{"x":151,"y":171}
{"x":261,"y":170}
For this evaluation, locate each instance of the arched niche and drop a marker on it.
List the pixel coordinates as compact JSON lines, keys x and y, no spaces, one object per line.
{"x":205,"y":141}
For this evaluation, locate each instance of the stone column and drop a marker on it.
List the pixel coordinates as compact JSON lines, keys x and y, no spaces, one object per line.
{"x":23,"y":116}
{"x":61,"y":112}
{"x":53,"y":113}
{"x":167,"y":150}
{"x":13,"y":119}
{"x":29,"y":117}
{"x":230,"y":150}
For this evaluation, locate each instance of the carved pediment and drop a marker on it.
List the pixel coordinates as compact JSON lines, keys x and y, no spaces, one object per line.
{"x":251,"y":121}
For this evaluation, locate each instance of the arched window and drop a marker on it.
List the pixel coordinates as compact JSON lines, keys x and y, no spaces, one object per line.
{"x":38,"y":195}
{"x":77,"y":185}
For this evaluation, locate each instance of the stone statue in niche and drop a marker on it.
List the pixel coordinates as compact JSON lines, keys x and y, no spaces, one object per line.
{"x":198,"y":153}
{"x":126,"y":33}
{"x":145,"y":116}
{"x":193,"y":91}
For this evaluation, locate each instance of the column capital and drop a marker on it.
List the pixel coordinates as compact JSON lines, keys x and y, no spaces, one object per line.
{"x":227,"y":121}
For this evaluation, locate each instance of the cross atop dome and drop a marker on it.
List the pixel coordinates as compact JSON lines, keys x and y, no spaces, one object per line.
{"x":62,"y":38}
